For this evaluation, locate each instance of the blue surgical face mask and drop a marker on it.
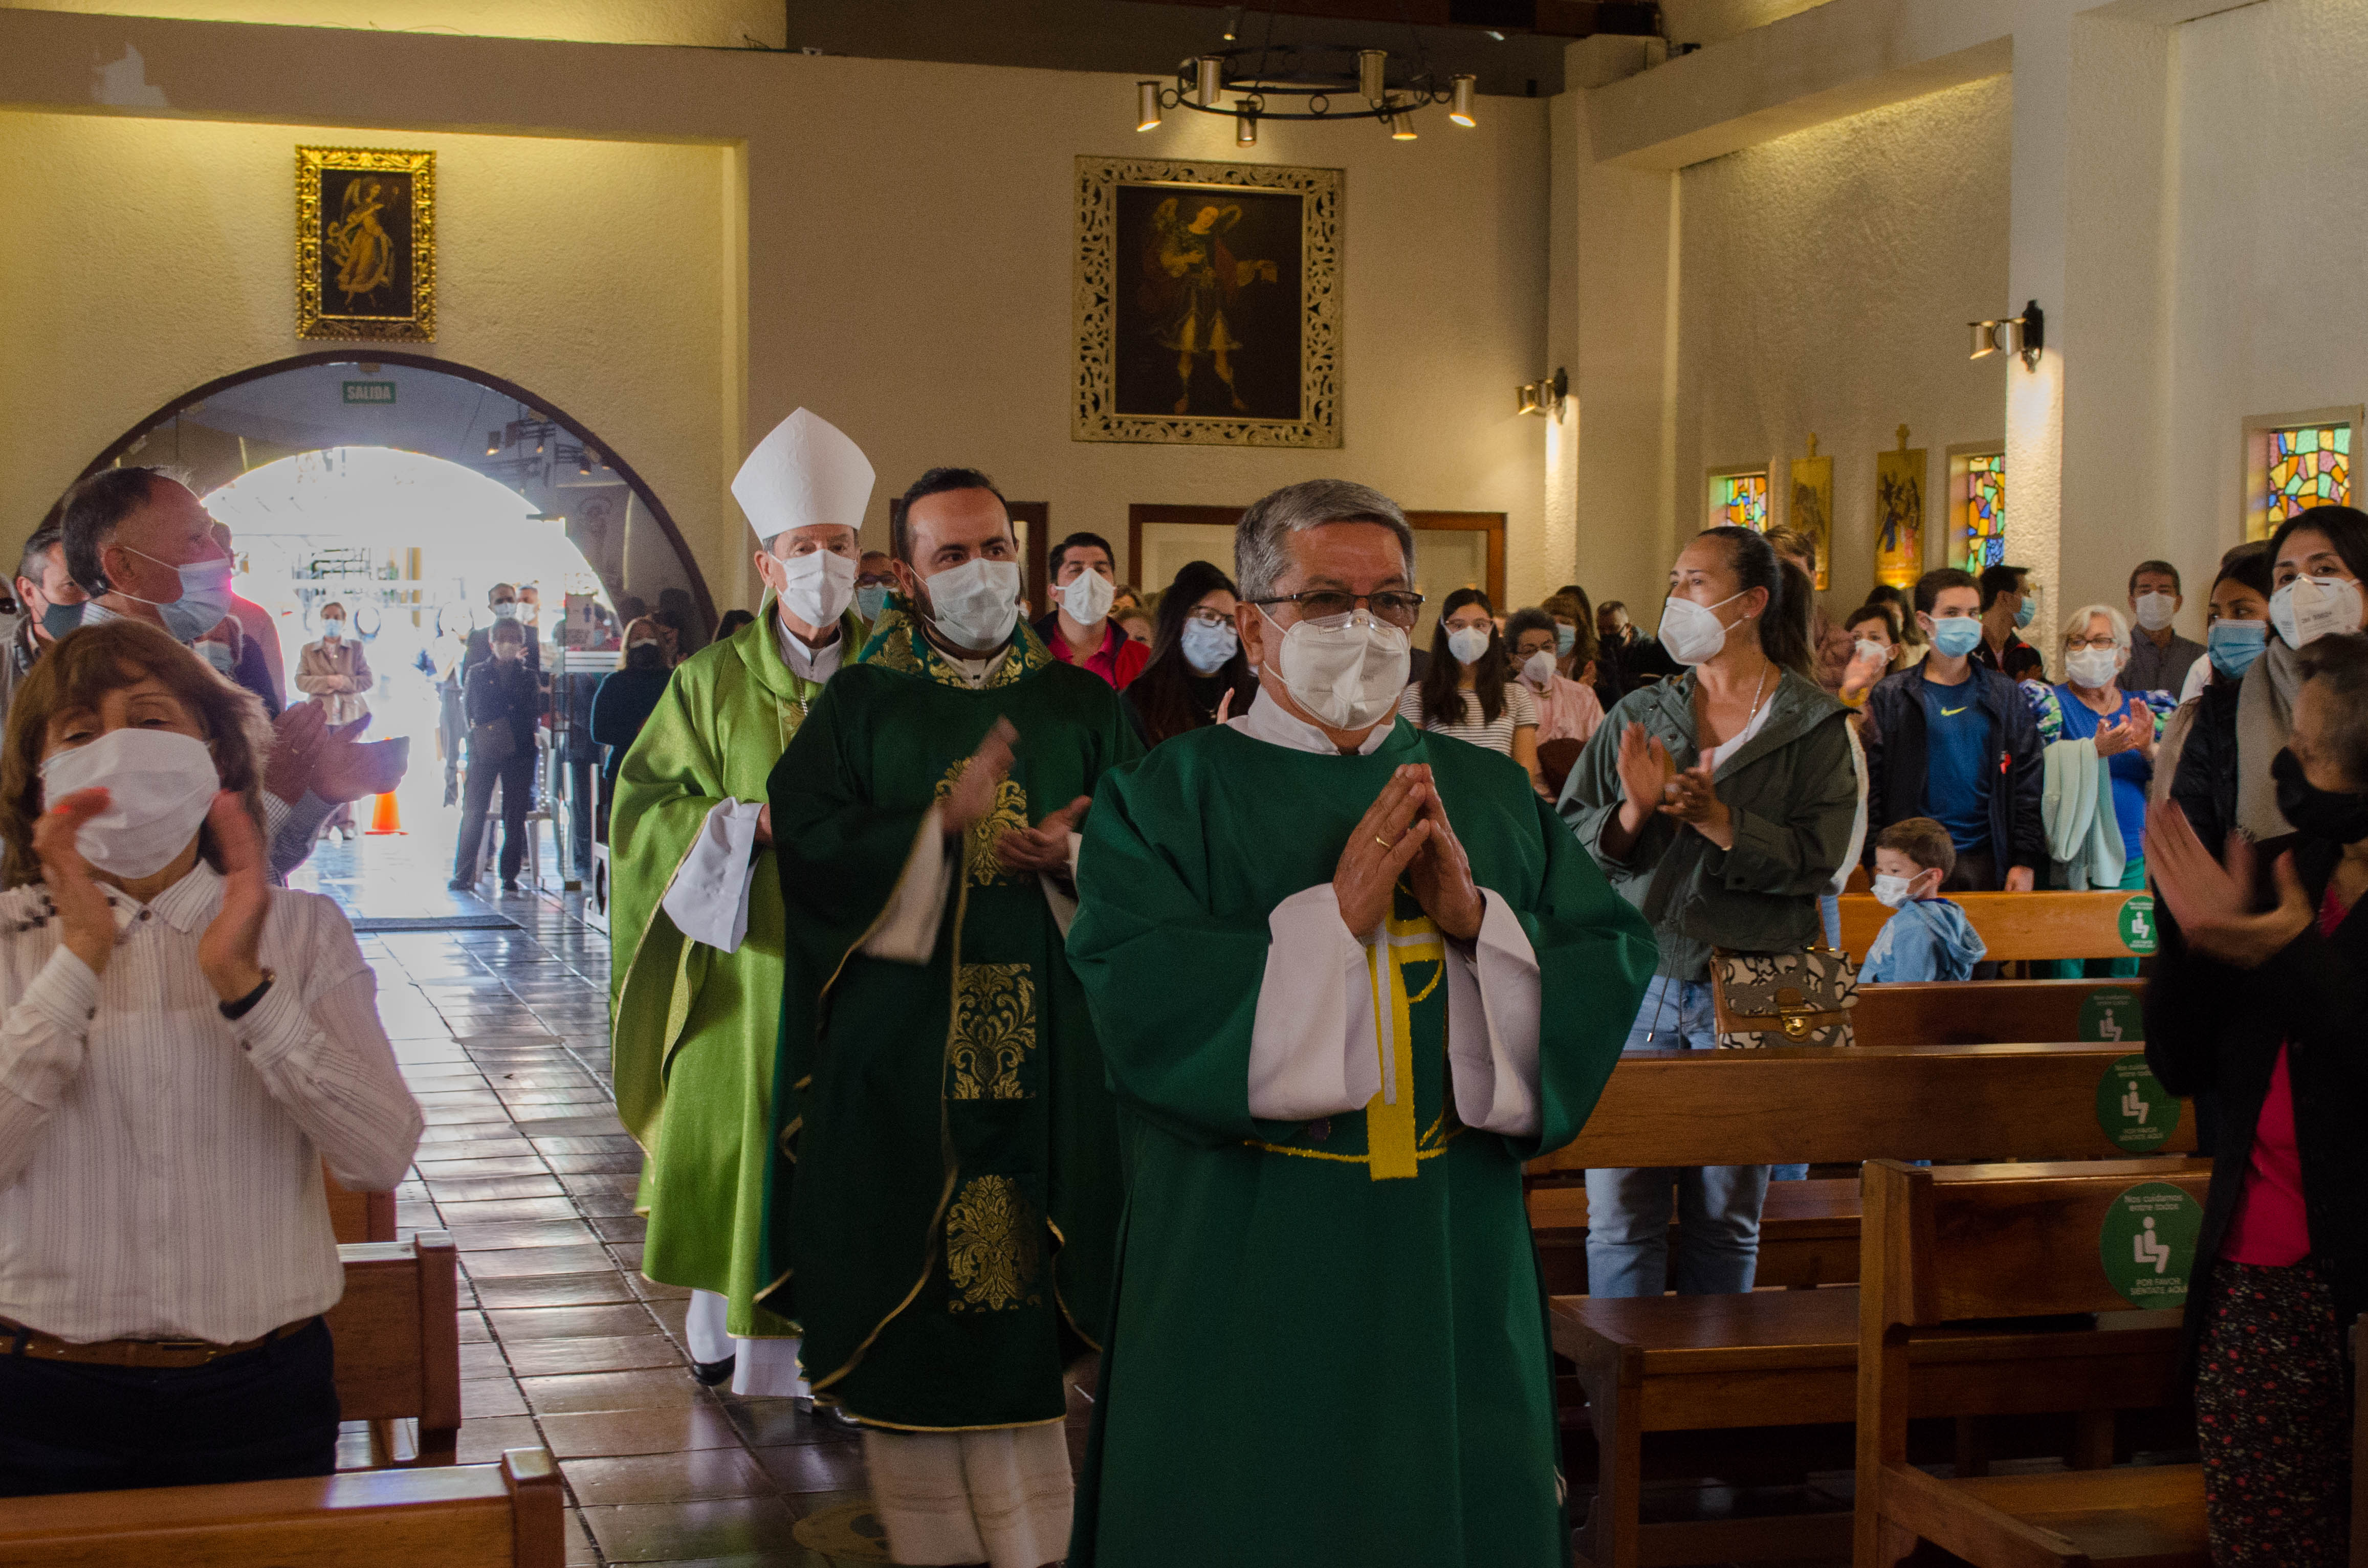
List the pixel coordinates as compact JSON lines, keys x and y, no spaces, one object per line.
{"x":871,"y":598}
{"x":2234,"y":644}
{"x":1956,"y":636}
{"x":1566,"y":639}
{"x":2024,"y":611}
{"x":205,"y":596}
{"x":1207,"y":645}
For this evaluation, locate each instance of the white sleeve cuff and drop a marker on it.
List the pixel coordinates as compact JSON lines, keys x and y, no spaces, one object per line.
{"x":1491,"y":1025}
{"x":707,"y":900}
{"x":1314,"y":1052}
{"x":64,"y":991}
{"x":907,"y":932}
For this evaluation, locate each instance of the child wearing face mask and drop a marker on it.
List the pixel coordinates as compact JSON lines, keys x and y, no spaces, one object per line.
{"x":1465,"y":692}
{"x":1930,"y":938}
{"x":182,"y":1048}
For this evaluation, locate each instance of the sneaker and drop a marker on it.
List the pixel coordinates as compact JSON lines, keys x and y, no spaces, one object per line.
{"x":461,"y":884}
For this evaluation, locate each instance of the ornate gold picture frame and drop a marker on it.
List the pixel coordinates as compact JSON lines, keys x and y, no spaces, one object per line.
{"x":366,"y":244}
{"x":1208,"y":303}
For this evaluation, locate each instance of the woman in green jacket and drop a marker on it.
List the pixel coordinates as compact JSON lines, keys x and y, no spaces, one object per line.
{"x":1720,"y":803}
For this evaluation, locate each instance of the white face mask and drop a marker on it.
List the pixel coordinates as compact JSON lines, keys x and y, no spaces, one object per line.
{"x":505,"y":610}
{"x":1539,"y":667}
{"x":1345,"y":671}
{"x":1892,"y":891}
{"x":1868,"y":648}
{"x":2093,"y":667}
{"x":332,"y":629}
{"x":1468,"y":644}
{"x":2154,"y":611}
{"x":160,"y":785}
{"x":975,"y":603}
{"x":1692,"y":632}
{"x":1089,"y":597}
{"x":817,"y":586}
{"x":2311,"y":608}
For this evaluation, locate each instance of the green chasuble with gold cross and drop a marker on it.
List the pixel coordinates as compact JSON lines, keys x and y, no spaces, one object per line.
{"x":945,"y":1210}
{"x":1329,"y":1344}
{"x":694,"y":1030}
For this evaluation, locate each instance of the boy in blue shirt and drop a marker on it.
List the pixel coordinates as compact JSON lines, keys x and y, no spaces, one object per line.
{"x":1930,"y":938}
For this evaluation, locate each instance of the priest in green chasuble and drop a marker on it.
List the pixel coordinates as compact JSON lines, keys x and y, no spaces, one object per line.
{"x":696,"y":921}
{"x":945,"y":1208}
{"x":1347,"y":976}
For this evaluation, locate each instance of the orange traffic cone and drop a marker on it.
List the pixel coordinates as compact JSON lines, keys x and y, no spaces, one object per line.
{"x":385,"y":817}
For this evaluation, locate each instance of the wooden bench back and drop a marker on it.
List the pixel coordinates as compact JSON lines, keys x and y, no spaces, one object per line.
{"x":398,"y":1338}
{"x":1932,"y":1102}
{"x":1990,"y":1012}
{"x":2015,"y":925}
{"x":359,"y":1216}
{"x":481,"y":1516}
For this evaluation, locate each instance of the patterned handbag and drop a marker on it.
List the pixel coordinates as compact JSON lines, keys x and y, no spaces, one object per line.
{"x":1768,"y":999}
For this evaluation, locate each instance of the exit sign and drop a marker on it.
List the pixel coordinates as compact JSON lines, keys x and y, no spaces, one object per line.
{"x":370,"y":392}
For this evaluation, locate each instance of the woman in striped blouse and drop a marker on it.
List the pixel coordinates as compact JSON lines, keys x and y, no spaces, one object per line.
{"x":182,"y":1048}
{"x":1465,"y":693}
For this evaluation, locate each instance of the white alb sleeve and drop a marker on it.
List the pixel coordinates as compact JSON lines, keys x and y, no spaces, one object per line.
{"x":1313,"y":1050}
{"x":707,"y":900}
{"x":907,"y":932}
{"x":1491,"y":1025}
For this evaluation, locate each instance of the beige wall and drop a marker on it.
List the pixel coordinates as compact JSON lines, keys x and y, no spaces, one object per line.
{"x":908,"y":233}
{"x":715,"y":24}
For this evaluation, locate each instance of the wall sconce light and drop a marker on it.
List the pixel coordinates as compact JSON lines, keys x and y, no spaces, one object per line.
{"x":1544,"y":396}
{"x":1146,"y":106}
{"x":2025,"y":335}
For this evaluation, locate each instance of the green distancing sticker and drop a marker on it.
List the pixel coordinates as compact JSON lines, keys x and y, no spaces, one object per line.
{"x":2112,"y":1016}
{"x":2137,"y":1112}
{"x":2147,"y":1244}
{"x":2138,"y":932}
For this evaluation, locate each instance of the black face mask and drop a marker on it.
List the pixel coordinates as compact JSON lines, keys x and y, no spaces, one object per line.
{"x":648,"y":656}
{"x":2339,"y":817}
{"x":58,"y":619}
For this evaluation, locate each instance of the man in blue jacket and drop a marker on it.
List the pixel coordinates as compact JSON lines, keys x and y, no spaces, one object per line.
{"x":1953,"y":740}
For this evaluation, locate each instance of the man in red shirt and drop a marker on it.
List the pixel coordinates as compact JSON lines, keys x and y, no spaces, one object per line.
{"x":1079,"y":630}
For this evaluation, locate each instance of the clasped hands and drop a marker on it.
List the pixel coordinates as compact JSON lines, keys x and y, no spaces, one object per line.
{"x":330,"y":760}
{"x":1045,"y":846}
{"x":1650,"y":781}
{"x":228,"y":948}
{"x":1405,"y":833}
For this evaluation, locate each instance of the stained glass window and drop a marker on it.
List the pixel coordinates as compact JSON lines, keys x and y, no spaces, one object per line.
{"x":1981,"y":536}
{"x":2310,"y":465}
{"x":1740,"y":500}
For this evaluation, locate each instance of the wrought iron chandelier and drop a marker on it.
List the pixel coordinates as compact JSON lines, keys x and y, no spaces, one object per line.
{"x":1327,"y":81}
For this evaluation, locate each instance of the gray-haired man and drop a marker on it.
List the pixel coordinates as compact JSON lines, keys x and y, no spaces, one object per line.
{"x":1347,"y":977}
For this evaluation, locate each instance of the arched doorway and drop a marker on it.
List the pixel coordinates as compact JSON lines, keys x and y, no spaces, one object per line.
{"x":357,"y":397}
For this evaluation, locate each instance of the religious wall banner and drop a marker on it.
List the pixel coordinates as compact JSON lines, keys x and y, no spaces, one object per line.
{"x":1208,"y":303}
{"x":366,"y":244}
{"x":1812,"y":511}
{"x":1900,"y":514}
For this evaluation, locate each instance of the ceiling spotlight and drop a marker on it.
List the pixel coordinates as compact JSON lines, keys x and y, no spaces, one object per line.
{"x":1373,"y":73}
{"x":1232,"y":23}
{"x":1245,"y":128}
{"x":584,"y":459}
{"x":1146,"y":106}
{"x":2025,"y":335}
{"x":1211,"y":69}
{"x":1544,"y":396}
{"x":1402,"y":126}
{"x":1458,"y":107}
{"x":492,"y":443}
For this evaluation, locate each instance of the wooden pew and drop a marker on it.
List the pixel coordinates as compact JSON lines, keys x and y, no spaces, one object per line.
{"x":2019,"y":926}
{"x":1776,"y":1358}
{"x":482,"y":1516}
{"x":359,"y":1216}
{"x":398,"y":1343}
{"x":1990,"y":1012}
{"x":1808,"y":1233}
{"x":2001,"y":1243}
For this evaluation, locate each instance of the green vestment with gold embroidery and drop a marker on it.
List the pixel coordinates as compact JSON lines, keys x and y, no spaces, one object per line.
{"x":945,"y":1211}
{"x":694,"y":1030}
{"x":1329,"y":1344}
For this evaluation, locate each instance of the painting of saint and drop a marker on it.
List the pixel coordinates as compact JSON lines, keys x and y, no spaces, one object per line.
{"x":1210,"y":324}
{"x":365,"y":243}
{"x":1900,"y":514}
{"x":1812,"y":512}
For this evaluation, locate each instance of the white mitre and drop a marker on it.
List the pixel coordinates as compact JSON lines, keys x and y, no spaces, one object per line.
{"x":806,"y":471}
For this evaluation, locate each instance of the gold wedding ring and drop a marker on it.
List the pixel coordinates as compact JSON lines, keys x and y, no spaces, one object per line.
{"x":1383,"y":842}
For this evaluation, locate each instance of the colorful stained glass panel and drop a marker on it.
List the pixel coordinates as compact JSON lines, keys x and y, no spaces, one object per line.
{"x":2310,"y":465}
{"x":1981,"y":538}
{"x":1740,"y":500}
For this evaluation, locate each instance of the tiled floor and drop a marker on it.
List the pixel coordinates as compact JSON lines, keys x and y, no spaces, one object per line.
{"x":503,"y":1037}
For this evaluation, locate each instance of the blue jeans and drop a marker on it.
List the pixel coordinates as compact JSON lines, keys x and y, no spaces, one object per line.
{"x":1718,"y":1207}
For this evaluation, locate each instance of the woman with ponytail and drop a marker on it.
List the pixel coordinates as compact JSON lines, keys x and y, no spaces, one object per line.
{"x":1720,"y":803}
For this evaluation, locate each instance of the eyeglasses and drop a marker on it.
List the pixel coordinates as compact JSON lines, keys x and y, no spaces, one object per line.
{"x":1395,"y":605}
{"x":1208,"y":618}
{"x":2077,"y":644}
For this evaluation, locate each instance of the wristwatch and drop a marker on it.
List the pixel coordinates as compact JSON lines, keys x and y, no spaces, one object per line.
{"x":236,"y":1010}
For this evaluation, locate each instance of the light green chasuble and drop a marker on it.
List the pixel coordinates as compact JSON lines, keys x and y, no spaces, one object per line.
{"x":1328,"y":1345}
{"x":695,"y":1031}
